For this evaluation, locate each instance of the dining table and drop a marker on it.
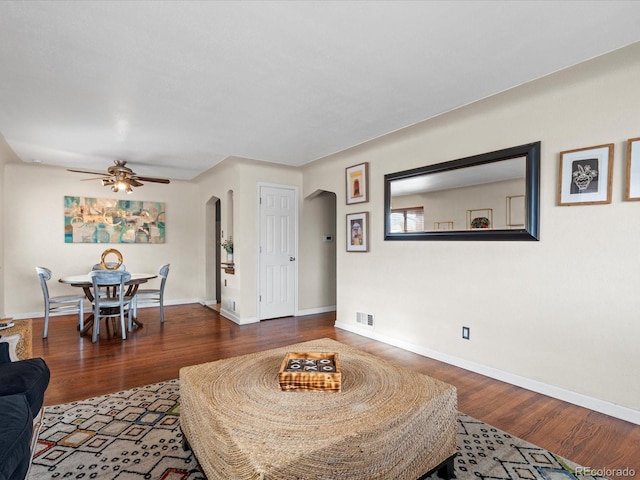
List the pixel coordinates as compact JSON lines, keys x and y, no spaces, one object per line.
{"x":83,"y":281}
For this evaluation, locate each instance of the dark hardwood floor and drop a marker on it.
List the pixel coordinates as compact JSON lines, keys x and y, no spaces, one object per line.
{"x":195,"y":334}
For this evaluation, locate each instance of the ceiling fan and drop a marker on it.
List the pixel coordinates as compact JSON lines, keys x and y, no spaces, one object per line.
{"x":120,"y":177}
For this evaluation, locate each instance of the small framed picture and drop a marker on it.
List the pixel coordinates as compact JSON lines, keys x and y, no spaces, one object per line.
{"x":357,"y":178}
{"x":585,"y":175}
{"x":446,"y":225}
{"x":516,"y":206}
{"x":632,"y":190}
{"x":358,"y":232}
{"x":479,"y":218}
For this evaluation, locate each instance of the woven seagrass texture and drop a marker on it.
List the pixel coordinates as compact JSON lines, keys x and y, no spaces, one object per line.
{"x":23,"y":328}
{"x":387,"y":422}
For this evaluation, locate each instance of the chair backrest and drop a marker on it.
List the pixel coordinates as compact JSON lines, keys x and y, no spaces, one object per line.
{"x":163,"y":271}
{"x":98,"y":266}
{"x":45,"y":275}
{"x":105,"y":278}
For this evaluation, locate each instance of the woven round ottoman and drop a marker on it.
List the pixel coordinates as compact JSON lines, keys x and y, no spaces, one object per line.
{"x":387,"y":422}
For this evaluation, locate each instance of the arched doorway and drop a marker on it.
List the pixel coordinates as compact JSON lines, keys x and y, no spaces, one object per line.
{"x":213,"y":287}
{"x":318,"y":226}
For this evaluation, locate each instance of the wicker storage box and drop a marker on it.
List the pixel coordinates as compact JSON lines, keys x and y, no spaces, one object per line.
{"x":310,"y":372}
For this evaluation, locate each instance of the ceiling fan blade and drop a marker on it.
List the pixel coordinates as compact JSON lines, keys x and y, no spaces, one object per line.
{"x":119,"y":173}
{"x":152,"y":179}
{"x":92,"y":172}
{"x":95,"y":178}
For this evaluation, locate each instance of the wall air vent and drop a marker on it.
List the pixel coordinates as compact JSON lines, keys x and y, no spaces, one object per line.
{"x":364,"y":319}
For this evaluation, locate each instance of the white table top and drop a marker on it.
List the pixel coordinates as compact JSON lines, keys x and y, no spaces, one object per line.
{"x":84,"y":280}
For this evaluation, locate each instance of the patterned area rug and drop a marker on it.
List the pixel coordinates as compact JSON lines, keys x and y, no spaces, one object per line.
{"x":136,"y":434}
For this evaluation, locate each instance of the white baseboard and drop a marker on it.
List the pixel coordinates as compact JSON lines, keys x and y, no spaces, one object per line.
{"x":602,"y":406}
{"x":315,"y":311}
{"x":236,"y":319}
{"x":87,"y":309}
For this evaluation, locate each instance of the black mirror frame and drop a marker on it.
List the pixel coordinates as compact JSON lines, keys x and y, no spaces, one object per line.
{"x":531,"y":230}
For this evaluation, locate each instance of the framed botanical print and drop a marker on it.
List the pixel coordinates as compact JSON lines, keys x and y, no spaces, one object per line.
{"x":479,"y":218}
{"x":632,"y":189}
{"x":585,"y":175}
{"x":357,"y":178}
{"x":358,"y":232}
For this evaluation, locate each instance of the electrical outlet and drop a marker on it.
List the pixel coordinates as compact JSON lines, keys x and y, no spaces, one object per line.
{"x":465,"y":332}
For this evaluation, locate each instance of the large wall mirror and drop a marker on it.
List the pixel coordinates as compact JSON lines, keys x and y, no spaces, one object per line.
{"x":492,"y":196}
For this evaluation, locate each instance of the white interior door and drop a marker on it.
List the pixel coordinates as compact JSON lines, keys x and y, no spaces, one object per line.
{"x":278,"y":250}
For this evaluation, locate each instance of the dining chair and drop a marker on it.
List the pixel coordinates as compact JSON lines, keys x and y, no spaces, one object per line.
{"x":152,"y":296}
{"x":109,"y":265}
{"x":59,"y":304}
{"x":98,"y":266}
{"x":113,"y":306}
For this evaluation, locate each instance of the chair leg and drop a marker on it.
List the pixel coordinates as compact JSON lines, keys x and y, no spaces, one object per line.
{"x":133,"y":303}
{"x":96,"y":325}
{"x":130,"y":321}
{"x":161,"y":309}
{"x":123,"y":327}
{"x":46,"y":321}
{"x":81,"y":316}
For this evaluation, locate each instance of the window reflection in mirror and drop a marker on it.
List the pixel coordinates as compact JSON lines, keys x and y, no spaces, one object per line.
{"x":407,"y":219}
{"x":493,"y":196}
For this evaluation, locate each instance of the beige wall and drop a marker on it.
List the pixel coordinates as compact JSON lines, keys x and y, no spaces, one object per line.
{"x":222,"y":183}
{"x":6,"y":156}
{"x":243,"y":177}
{"x":4,"y":150}
{"x":317,"y":257}
{"x":34,"y":236}
{"x":559,"y":314}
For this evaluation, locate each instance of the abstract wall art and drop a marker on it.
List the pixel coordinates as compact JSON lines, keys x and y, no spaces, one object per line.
{"x":108,"y":220}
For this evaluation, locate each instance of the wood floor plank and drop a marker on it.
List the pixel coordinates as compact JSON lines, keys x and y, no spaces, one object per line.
{"x":195,"y":334}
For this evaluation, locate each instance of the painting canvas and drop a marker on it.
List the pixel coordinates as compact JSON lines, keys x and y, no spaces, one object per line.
{"x":357,"y":185}
{"x":585,"y":176}
{"x":632,"y":190}
{"x":357,"y":232}
{"x":108,"y":220}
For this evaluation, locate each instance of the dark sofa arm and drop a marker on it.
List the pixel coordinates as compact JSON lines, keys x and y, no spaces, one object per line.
{"x":28,"y":377}
{"x":15,"y":441}
{"x":4,"y":352}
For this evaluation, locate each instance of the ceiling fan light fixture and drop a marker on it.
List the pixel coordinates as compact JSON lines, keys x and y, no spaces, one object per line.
{"x":122,"y":185}
{"x":121,"y":178}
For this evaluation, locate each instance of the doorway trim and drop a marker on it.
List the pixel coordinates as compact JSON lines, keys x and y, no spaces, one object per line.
{"x":212,"y":251}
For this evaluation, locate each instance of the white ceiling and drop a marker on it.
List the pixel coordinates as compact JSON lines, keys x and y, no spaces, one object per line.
{"x":176,"y":87}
